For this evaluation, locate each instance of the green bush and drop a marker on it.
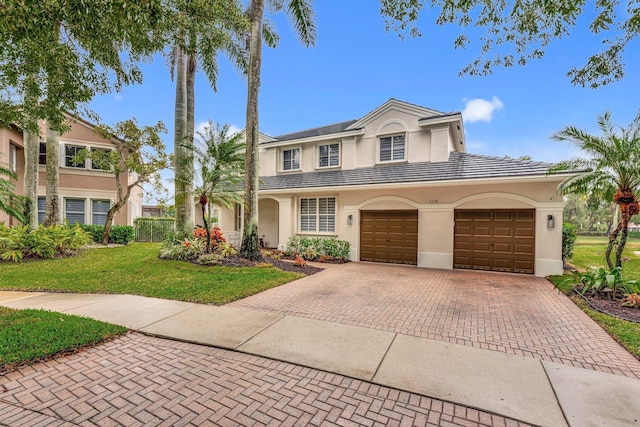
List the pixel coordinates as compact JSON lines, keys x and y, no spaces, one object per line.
{"x":634,"y":234}
{"x":568,"y":240}
{"x":153,"y":229}
{"x":119,"y":234}
{"x":18,"y":243}
{"x":312,"y":248}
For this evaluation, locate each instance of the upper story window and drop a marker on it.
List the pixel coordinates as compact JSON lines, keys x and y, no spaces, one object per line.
{"x":42,"y":153}
{"x":13,"y":158}
{"x":328,"y":155}
{"x":100,"y":164}
{"x":69,"y":152}
{"x":392,"y":148}
{"x":291,"y":159}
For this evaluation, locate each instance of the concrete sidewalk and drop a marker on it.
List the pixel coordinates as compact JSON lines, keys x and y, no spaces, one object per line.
{"x":526,"y":389}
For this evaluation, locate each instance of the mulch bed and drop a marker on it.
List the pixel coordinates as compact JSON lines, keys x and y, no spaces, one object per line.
{"x":613,"y":307}
{"x":237,"y":261}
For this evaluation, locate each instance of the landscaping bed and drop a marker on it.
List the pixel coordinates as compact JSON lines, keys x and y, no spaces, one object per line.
{"x":612,"y":307}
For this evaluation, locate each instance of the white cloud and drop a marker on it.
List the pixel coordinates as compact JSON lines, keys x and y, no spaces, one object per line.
{"x":480,"y":110}
{"x":202,"y":126}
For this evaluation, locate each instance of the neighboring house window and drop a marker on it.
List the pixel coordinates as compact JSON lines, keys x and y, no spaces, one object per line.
{"x":291,"y":159}
{"x":99,"y":209}
{"x":13,"y":158}
{"x":42,"y":153}
{"x":69,"y":152}
{"x":329,"y":155}
{"x":98,"y":165}
{"x":318,"y":215}
{"x":392,"y":148}
{"x":42,"y":207}
{"x":74,"y":210}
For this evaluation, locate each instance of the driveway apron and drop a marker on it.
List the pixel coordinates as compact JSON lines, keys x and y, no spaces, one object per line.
{"x":515,"y":314}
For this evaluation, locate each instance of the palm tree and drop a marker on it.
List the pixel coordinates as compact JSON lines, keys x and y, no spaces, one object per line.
{"x":220,"y":168}
{"x":209,"y":28}
{"x":613,"y":162}
{"x":10,"y":203}
{"x":301,"y":14}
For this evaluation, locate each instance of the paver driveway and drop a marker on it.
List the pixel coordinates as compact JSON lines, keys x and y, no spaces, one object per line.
{"x":517,"y":314}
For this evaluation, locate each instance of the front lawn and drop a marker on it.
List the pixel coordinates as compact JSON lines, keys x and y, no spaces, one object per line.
{"x":27,"y":336}
{"x":589,"y":252}
{"x":135,"y":269}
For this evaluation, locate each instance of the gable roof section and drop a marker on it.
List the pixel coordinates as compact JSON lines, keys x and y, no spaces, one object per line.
{"x":460,"y":166}
{"x":397,"y":105}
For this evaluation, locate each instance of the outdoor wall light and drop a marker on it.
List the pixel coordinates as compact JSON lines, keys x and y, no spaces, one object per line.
{"x":350,"y":220}
{"x":551,"y":221}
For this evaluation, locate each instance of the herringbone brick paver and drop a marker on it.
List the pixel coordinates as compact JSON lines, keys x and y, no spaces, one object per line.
{"x":509,"y":313}
{"x":144,"y":381}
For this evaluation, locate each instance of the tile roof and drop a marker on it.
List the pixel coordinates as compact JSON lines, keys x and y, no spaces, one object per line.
{"x":322,"y":130}
{"x":459,"y":166}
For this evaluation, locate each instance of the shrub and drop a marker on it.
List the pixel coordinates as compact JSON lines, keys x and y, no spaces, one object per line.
{"x":189,"y":249}
{"x":634,"y":234}
{"x":314,"y":248}
{"x":602,"y":281}
{"x":119,"y":234}
{"x":631,"y":300}
{"x":568,"y":240}
{"x":18,"y":243}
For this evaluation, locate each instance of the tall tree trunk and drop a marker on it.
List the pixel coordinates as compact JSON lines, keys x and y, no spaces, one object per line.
{"x":110,"y":215}
{"x":190,"y":207}
{"x":31,"y":149}
{"x":52,"y":213}
{"x":250,"y":247}
{"x":184,"y":225}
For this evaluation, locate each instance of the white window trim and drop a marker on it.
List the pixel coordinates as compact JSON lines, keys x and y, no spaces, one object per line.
{"x":281,"y":159}
{"x":316,"y":233}
{"x":317,"y":157}
{"x":91,"y":208}
{"x":13,"y":157}
{"x":406,"y":148}
{"x":64,"y":207}
{"x":63,"y":156}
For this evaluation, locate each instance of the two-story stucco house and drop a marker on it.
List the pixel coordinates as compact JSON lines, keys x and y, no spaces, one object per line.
{"x":399,"y":185}
{"x":86,"y":192}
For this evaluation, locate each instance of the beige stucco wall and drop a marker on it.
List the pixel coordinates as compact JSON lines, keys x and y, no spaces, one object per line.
{"x":268,"y":222}
{"x":436,"y":206}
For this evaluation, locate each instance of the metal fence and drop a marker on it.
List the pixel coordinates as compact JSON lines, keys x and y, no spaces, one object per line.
{"x":154,"y":229}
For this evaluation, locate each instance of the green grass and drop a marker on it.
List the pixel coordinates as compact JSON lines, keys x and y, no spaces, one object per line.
{"x":589,"y":252}
{"x":135,"y":269}
{"x":30,"y":335}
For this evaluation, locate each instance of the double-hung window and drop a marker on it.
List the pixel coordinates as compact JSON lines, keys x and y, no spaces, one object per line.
{"x":392,"y":148}
{"x":69,"y":152}
{"x":42,"y":207}
{"x":42,"y":153}
{"x":74,"y":211}
{"x":318,"y":214}
{"x":13,"y":158}
{"x":99,"y":210}
{"x":329,"y":155}
{"x":101,"y":162}
{"x":291,"y":159}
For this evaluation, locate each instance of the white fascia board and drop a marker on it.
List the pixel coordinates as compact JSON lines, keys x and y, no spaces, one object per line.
{"x":299,"y":141}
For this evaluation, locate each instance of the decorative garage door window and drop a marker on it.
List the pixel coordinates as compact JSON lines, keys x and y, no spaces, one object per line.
{"x":318,"y":214}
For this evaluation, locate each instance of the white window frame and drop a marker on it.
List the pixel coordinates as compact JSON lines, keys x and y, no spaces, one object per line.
{"x":41,"y":154}
{"x":93,"y":213}
{"x":292,"y":149}
{"x":13,"y":157}
{"x":84,"y":208}
{"x":64,"y":156}
{"x":329,"y":165}
{"x":392,"y":137}
{"x":42,"y":213}
{"x":317,"y":216}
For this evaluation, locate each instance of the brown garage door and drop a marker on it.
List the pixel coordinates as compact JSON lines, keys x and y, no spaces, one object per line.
{"x":497,"y":239}
{"x":389,"y":236}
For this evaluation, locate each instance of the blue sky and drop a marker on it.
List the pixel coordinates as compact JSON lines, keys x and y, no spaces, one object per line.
{"x":356,"y":66}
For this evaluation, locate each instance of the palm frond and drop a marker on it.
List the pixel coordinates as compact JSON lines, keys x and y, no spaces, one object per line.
{"x":303,"y":18}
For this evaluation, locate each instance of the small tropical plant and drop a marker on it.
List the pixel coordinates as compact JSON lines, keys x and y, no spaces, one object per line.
{"x":601,"y":281}
{"x":312,"y":249}
{"x":19,"y":243}
{"x":631,"y":300}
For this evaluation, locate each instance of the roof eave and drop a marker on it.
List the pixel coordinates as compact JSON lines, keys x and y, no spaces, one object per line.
{"x":298,"y":141}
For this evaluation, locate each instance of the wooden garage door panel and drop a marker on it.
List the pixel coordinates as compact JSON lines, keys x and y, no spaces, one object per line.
{"x":495,"y":239}
{"x":389,"y":236}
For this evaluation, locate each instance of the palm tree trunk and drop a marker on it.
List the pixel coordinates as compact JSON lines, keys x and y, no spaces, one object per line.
{"x":191,"y":101}
{"x":31,"y":148}
{"x":52,"y":213}
{"x":250,"y":248}
{"x":184,"y":224}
